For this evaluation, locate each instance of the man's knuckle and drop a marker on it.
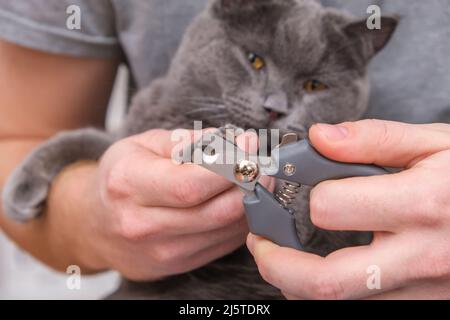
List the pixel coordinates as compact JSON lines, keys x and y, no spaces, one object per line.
{"x":116,"y":181}
{"x":265,"y":270}
{"x":435,"y":264}
{"x":427,"y":212}
{"x":326,"y":287}
{"x":319,"y":207}
{"x":228,"y":211}
{"x":165,"y":254}
{"x":384,"y":134}
{"x":188,"y":192}
{"x":130,"y":231}
{"x":132,"y":228}
{"x":440,"y":202}
{"x":153,"y":135}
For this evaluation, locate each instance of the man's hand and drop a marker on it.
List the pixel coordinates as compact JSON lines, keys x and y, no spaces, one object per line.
{"x":145,"y":216}
{"x":408,"y":211}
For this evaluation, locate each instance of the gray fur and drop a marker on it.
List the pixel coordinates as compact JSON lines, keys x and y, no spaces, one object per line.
{"x":210,"y":79}
{"x":27,"y":188}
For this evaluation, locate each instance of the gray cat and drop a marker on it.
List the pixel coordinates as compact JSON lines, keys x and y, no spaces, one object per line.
{"x":283,"y":64}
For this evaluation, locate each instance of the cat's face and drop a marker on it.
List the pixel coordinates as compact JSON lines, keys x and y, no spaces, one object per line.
{"x":276,"y":64}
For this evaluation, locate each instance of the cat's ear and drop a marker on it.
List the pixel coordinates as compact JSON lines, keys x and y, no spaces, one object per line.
{"x":372,"y":41}
{"x":226,"y":8}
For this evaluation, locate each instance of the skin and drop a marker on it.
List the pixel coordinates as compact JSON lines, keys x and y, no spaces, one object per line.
{"x":134,"y":211}
{"x":409,"y":211}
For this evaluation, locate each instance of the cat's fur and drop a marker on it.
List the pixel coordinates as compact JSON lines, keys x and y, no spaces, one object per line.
{"x":211,"y":79}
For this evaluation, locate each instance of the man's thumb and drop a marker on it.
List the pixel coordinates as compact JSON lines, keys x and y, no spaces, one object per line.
{"x":384,"y":143}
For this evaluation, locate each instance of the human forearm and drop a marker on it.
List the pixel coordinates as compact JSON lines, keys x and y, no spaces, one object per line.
{"x":43,"y":237}
{"x":67,"y":220}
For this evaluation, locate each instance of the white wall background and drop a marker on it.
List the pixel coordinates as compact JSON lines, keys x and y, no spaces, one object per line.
{"x":22,"y":277}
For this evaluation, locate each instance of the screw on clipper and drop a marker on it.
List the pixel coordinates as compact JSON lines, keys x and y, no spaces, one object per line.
{"x":246,"y":171}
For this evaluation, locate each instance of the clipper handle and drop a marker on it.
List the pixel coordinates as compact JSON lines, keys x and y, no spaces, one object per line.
{"x":267,"y":218}
{"x":311,"y":167}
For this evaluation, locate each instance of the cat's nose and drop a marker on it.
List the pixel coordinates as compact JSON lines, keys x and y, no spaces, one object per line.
{"x":276,"y":105}
{"x":277,"y":102}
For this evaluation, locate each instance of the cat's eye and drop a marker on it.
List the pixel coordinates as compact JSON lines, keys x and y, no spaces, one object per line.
{"x":314,"y":86}
{"x":256,"y":61}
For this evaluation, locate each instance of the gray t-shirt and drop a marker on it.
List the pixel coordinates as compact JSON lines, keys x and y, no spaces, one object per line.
{"x":411,"y":77}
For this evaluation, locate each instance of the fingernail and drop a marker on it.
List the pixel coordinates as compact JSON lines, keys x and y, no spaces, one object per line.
{"x":250,"y":243}
{"x":333,"y":132}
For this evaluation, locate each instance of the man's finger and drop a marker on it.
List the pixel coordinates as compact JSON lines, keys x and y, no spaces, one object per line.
{"x":166,"y":184}
{"x":385,"y":143}
{"x":164,"y":143}
{"x":306,"y":275}
{"x":222,"y":210}
{"x":202,"y":254}
{"x":371,"y":203}
{"x":427,"y":290}
{"x":187,"y":245}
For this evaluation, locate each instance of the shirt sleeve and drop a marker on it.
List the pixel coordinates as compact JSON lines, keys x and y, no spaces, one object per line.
{"x":50,"y":26}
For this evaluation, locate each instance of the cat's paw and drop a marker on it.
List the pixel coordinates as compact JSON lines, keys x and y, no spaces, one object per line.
{"x":27,"y":188}
{"x":25,"y":193}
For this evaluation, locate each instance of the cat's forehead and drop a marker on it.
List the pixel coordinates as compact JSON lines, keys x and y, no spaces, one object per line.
{"x":289,"y":36}
{"x":300,"y":38}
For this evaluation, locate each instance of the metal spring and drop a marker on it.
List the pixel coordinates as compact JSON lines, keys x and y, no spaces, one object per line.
{"x":286,"y":195}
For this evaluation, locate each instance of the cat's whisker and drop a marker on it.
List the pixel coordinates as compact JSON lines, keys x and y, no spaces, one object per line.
{"x":205,"y":100}
{"x":204,"y":108}
{"x":205,"y":103}
{"x":210,"y":106}
{"x":201,"y":110}
{"x":237,"y":102}
{"x":217,"y":116}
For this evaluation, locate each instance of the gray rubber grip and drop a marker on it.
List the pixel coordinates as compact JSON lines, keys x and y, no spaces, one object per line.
{"x":268,"y":219}
{"x":313,"y":168}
